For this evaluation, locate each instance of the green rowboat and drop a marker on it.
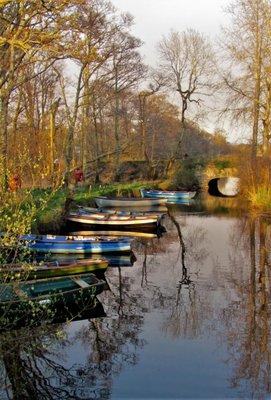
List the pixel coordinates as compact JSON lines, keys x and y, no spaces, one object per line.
{"x":50,"y":269}
{"x":30,"y":302}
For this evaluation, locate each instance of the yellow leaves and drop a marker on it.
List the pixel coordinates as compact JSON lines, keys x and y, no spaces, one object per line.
{"x":84,"y":54}
{"x":16,"y":43}
{"x":4,"y":2}
{"x":30,"y":33}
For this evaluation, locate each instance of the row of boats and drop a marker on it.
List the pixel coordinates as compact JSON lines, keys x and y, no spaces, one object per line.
{"x":103,"y":215}
{"x":49,"y":289}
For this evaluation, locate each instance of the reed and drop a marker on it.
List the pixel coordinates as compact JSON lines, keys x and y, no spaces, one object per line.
{"x":255,"y":182}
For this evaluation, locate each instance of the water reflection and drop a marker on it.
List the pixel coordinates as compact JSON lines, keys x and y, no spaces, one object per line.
{"x":204,"y":288}
{"x":32,"y":362}
{"x":246,"y":320}
{"x":114,"y":259}
{"x":34,"y":365}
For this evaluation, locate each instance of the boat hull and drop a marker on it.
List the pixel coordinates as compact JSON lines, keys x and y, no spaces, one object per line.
{"x":113,"y":259}
{"x":78,"y":310}
{"x":142,"y":234}
{"x":127,"y":202}
{"x":100,"y":212}
{"x":112,"y":220}
{"x":42,"y":299}
{"x":75,"y":244}
{"x":170,"y":196}
{"x":84,"y":248}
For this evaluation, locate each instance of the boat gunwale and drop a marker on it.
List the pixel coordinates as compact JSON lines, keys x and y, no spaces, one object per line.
{"x":83,"y":240}
{"x":107,"y":221}
{"x":103,"y":264}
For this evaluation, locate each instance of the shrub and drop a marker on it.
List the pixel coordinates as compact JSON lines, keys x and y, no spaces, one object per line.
{"x":187,"y":174}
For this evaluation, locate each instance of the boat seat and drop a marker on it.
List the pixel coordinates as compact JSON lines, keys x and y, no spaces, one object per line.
{"x":20,"y":293}
{"x":81,"y":282}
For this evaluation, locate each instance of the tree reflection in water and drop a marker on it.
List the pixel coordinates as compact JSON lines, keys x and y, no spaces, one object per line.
{"x":246,"y":320}
{"x":32,"y":370}
{"x":232,"y":301}
{"x":181,"y":303}
{"x":113,"y":342}
{"x":34,"y":364}
{"x":184,"y":314}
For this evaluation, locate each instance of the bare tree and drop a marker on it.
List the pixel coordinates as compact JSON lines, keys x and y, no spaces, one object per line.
{"x":158,"y":81}
{"x":126,"y":69}
{"x":187,"y":60}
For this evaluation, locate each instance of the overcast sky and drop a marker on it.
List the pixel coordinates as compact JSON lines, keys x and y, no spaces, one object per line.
{"x":155,"y":18}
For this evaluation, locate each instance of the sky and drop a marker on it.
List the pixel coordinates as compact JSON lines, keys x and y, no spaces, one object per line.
{"x":155,"y":18}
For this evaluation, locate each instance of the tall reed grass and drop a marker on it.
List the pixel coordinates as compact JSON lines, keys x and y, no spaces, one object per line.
{"x":256,"y":182}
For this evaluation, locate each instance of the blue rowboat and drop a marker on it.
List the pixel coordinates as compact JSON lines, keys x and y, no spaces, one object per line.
{"x":75,"y":244}
{"x":170,"y":196}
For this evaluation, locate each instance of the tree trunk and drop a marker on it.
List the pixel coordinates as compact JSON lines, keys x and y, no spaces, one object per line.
{"x":142,"y":108}
{"x":71,"y":128}
{"x":267,"y":120}
{"x":257,"y":92}
{"x":4,"y":100}
{"x":97,"y":151}
{"x":117,"y":138}
{"x":69,"y":154}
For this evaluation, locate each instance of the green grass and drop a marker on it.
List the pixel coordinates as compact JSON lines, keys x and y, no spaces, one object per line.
{"x":221,"y":164}
{"x":84,"y":195}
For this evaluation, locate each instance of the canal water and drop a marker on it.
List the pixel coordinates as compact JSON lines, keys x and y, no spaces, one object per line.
{"x":189,"y":319}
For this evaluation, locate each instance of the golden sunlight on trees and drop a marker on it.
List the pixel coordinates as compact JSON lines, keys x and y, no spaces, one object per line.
{"x":27,"y":28}
{"x":74,"y":89}
{"x":88,"y":35}
{"x":125,"y":69}
{"x":246,"y":69}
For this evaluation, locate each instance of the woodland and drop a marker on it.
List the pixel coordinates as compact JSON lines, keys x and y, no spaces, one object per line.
{"x":75,"y":91}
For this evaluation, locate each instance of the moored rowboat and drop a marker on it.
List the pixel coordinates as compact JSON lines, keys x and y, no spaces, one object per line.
{"x":112,"y":219}
{"x":41,"y":299}
{"x":127,"y":202}
{"x":51,"y":269}
{"x":75,"y":244}
{"x":114,"y":259}
{"x":169,"y":195}
{"x":53,"y":314}
{"x":112,"y":211}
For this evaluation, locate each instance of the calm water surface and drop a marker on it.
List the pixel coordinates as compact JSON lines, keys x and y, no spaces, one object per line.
{"x":189,"y":319}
